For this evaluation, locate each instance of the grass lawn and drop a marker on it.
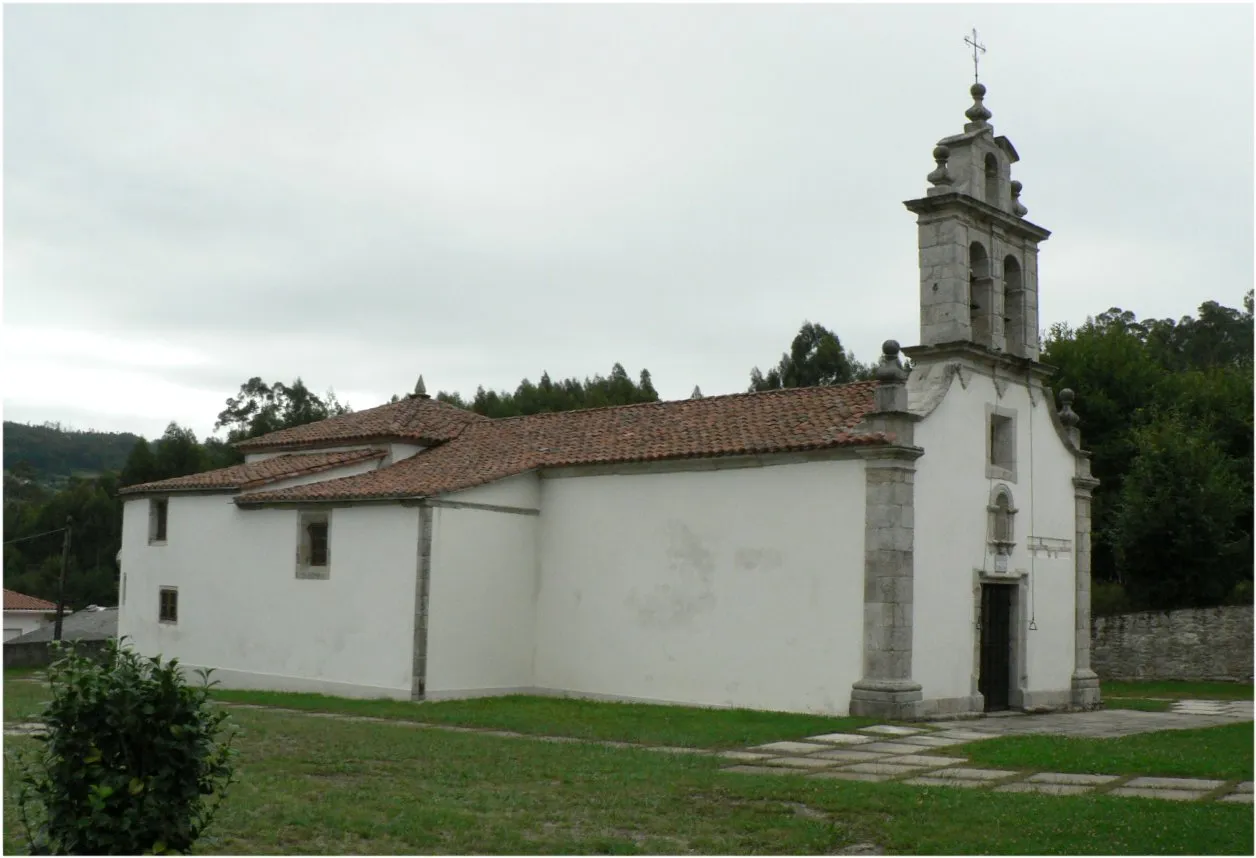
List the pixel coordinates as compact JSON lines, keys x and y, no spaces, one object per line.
{"x":23,"y":700}
{"x":1179,"y":690}
{"x":641,"y":723}
{"x":1140,"y":703}
{"x":319,"y":786}
{"x":1215,"y":752}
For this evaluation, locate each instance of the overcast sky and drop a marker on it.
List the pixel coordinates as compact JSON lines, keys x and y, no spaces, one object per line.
{"x":357,"y":195}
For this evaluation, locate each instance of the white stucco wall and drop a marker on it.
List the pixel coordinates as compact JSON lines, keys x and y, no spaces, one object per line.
{"x":18,"y":623}
{"x":738,"y":587}
{"x":952,"y":494}
{"x":243,"y":611}
{"x":482,"y":603}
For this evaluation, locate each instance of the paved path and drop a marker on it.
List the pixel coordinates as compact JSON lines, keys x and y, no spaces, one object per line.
{"x":911,"y":754}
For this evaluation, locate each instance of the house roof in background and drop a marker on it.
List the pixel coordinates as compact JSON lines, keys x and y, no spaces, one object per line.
{"x":253,"y":474}
{"x":14,"y":601}
{"x":416,"y":419}
{"x":86,"y":625}
{"x":778,"y":421}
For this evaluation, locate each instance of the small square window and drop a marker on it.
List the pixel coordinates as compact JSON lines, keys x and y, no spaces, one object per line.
{"x":158,"y":509}
{"x":314,"y":545}
{"x":168,"y":605}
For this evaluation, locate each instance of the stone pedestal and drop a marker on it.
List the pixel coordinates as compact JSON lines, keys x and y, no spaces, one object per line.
{"x":892,"y":699}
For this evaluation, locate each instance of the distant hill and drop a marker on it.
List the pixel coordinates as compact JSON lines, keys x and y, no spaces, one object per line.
{"x":55,"y":454}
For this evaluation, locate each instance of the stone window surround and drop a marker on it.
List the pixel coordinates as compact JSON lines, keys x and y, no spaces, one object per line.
{"x":993,"y":471}
{"x":158,"y":514}
{"x":304,"y":569}
{"x":171,"y":617}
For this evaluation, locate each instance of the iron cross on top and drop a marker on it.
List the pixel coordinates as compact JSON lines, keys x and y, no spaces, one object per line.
{"x":977,"y":47}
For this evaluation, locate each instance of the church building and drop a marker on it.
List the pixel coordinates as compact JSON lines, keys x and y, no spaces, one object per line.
{"x":908,"y":547}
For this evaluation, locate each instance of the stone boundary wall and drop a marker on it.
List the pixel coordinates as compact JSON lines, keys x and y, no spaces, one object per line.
{"x":1193,"y":644}
{"x":39,"y":653}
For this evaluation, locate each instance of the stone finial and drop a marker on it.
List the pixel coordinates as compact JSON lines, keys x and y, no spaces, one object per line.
{"x":978,"y":115}
{"x":420,"y":389}
{"x":891,"y":379}
{"x":697,"y":392}
{"x":890,"y":370}
{"x":1017,"y":209}
{"x":1067,"y":415}
{"x":940,"y":178}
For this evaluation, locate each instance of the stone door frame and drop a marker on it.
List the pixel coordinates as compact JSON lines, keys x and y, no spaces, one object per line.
{"x":1019,"y":623}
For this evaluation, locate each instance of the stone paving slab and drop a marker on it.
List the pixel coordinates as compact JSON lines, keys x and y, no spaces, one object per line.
{"x":761,"y":770}
{"x":930,"y":741}
{"x":1048,"y":789}
{"x":845,"y":775}
{"x":792,"y":747}
{"x":891,"y":730}
{"x":849,"y":756}
{"x":800,"y":762}
{"x":1067,"y":778}
{"x":1246,"y":786}
{"x":965,"y":735}
{"x":841,"y":739}
{"x":972,"y":774}
{"x":1174,"y":783}
{"x":891,"y":769}
{"x":1171,"y":794}
{"x":743,"y":755}
{"x":950,"y":782}
{"x":1237,"y":798}
{"x":923,"y":760}
{"x":891,"y":748}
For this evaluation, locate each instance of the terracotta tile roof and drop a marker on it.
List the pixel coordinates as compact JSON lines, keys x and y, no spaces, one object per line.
{"x":415,"y":419}
{"x":771,"y":422}
{"x":255,"y":474}
{"x":22,"y":602}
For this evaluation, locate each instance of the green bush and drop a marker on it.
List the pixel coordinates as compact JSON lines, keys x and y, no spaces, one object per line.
{"x":135,"y":760}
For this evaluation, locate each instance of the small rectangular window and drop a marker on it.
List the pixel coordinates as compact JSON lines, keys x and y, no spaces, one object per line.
{"x":318,"y":543}
{"x":158,"y":509}
{"x":314,"y":545}
{"x":168,"y":605}
{"x":1002,"y":442}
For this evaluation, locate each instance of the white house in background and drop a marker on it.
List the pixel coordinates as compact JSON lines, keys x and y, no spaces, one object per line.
{"x":905,"y":547}
{"x":24,"y":614}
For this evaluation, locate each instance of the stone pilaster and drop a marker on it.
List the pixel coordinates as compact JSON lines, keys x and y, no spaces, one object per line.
{"x":1085,"y":682}
{"x":422,"y":588}
{"x":887,"y":689}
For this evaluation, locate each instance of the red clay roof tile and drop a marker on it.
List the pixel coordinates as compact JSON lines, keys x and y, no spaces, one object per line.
{"x":21,"y":602}
{"x":770,"y":422}
{"x":254,"y":474}
{"x":415,"y":419}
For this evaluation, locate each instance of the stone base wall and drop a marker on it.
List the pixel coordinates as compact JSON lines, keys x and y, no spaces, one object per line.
{"x":1196,"y":644}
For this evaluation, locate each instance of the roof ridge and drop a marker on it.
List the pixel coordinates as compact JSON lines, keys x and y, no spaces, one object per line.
{"x":715,"y":397}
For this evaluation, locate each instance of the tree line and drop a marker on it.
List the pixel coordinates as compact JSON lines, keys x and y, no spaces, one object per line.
{"x":1166,"y":411}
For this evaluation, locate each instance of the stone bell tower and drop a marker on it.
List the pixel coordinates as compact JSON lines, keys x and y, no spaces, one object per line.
{"x":978,"y":254}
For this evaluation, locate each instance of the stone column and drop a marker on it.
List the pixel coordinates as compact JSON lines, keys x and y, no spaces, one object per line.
{"x":886,"y":689}
{"x":1085,"y":682}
